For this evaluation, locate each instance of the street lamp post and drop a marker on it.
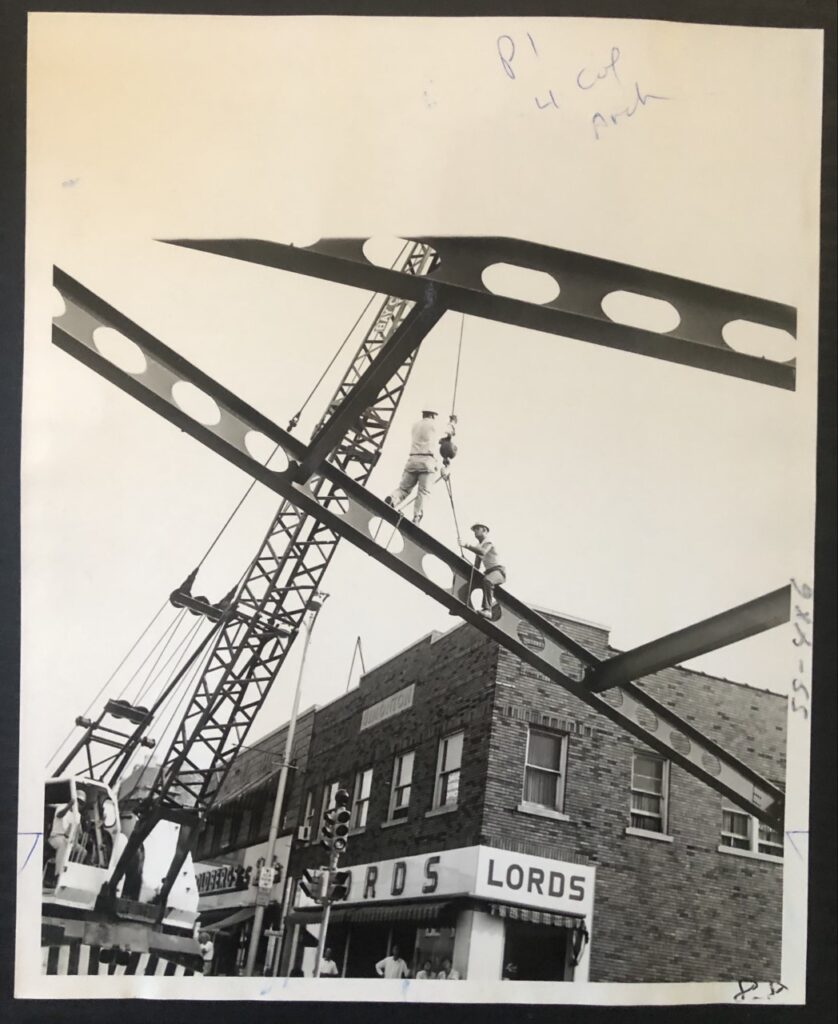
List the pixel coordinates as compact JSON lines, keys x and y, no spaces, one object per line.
{"x":314,"y":606}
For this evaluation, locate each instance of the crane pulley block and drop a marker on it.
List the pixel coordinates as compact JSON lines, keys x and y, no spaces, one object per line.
{"x":447,"y":449}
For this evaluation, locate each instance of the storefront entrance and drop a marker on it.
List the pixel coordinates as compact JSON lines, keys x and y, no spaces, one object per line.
{"x":538,"y":951}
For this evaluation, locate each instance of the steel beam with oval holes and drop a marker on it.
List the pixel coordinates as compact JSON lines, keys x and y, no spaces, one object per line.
{"x":583,"y":283}
{"x":353,"y":513}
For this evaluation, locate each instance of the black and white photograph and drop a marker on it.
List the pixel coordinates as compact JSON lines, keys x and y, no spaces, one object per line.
{"x":418,"y":509}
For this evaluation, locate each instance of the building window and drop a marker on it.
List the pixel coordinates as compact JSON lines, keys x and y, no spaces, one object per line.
{"x":400,"y":791}
{"x":649,"y":790}
{"x":328,"y":801}
{"x":742,"y":831}
{"x":361,"y":799}
{"x":544,"y":771}
{"x":307,"y":819}
{"x":448,"y":770}
{"x":244,"y":827}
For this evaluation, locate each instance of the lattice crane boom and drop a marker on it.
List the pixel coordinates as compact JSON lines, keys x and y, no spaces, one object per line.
{"x":347,"y":509}
{"x":252,"y":634}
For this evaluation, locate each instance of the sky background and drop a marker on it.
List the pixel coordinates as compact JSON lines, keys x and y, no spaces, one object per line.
{"x":623,"y":490}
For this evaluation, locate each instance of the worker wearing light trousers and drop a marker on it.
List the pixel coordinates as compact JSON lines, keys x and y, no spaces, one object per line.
{"x":421,"y":462}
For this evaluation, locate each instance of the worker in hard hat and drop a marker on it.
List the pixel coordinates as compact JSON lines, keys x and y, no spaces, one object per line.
{"x":493,"y":572}
{"x":421,"y":462}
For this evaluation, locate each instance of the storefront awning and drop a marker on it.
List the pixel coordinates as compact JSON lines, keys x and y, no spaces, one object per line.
{"x":425,"y":911}
{"x":207,"y":924}
{"x":572,"y":921}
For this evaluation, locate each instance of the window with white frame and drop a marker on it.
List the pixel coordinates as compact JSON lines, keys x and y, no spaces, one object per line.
{"x":400,"y":789}
{"x":361,"y":798}
{"x":544,"y":770}
{"x":328,"y":801}
{"x":308,"y":812}
{"x":448,"y":770}
{"x":742,"y":831}
{"x":649,"y":792}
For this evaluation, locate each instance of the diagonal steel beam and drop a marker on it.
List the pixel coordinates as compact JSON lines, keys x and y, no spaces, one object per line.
{"x":584,"y":282}
{"x":728,"y":627}
{"x":404,"y":341}
{"x":352,"y":512}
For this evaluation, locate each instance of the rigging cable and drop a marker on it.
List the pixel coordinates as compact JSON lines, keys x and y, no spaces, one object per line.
{"x":179,"y":652}
{"x":186,"y":682}
{"x":110,"y":678}
{"x":457,"y":370}
{"x":296,"y":417}
{"x":359,"y":650}
{"x":160,"y":648}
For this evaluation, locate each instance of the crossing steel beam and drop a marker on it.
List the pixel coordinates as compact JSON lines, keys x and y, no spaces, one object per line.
{"x":577,"y":311}
{"x":350,"y":511}
{"x":728,"y":627}
{"x":402,"y":344}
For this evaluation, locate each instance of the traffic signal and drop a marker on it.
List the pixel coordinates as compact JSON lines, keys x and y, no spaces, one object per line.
{"x":342,"y":814}
{"x":311,"y":883}
{"x":327,"y":831}
{"x":333,"y":834}
{"x":339,"y":885}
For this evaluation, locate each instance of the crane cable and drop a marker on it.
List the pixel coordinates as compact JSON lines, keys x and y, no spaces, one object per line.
{"x":292,"y":423}
{"x":110,"y":678}
{"x":178,"y":653}
{"x":457,"y":370}
{"x":295,"y":419}
{"x":186,"y":685}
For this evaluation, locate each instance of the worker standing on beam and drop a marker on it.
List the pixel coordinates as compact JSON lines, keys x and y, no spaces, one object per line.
{"x":493,"y":572}
{"x":421,"y":462}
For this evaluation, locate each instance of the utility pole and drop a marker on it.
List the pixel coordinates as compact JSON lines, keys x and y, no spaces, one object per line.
{"x":321,"y":942}
{"x":314,"y":605}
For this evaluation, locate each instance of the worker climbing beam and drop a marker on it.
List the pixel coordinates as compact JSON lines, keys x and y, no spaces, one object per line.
{"x":729,"y":627}
{"x":352,"y":512}
{"x":582,"y":281}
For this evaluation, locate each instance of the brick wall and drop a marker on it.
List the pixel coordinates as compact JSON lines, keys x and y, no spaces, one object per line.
{"x":454,"y":682}
{"x":676,"y":911}
{"x":246,"y":797}
{"x":663,"y":911}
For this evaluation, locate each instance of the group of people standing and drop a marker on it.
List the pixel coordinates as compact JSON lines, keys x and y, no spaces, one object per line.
{"x":394,"y":966}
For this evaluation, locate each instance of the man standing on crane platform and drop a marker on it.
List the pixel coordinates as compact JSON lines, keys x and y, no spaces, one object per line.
{"x":421,"y":462}
{"x":493,"y":572}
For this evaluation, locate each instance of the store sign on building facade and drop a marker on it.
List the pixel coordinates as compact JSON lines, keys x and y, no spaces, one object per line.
{"x":238,"y":883}
{"x":498,"y":876}
{"x":387,"y":708}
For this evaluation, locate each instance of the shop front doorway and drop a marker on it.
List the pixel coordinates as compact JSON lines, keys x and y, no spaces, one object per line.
{"x":538,"y":951}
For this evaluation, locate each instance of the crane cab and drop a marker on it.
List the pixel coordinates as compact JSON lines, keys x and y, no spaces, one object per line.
{"x":82,"y":840}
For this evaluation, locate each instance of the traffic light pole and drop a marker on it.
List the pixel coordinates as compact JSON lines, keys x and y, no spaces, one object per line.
{"x":327,"y":910}
{"x":315,"y":604}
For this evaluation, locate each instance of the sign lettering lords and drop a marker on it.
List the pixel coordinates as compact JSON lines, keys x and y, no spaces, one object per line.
{"x":499,"y":876}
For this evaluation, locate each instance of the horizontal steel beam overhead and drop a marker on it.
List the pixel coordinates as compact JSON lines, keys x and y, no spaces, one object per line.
{"x":576,"y":312}
{"x":729,"y":627}
{"x":355,"y":514}
{"x":405,"y":340}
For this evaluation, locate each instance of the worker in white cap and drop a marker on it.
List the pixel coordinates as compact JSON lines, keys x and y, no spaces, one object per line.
{"x":421,"y":462}
{"x":493,"y":572}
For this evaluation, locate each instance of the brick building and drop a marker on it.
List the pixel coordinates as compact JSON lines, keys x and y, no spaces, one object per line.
{"x":497,"y":819}
{"x":232,"y":847}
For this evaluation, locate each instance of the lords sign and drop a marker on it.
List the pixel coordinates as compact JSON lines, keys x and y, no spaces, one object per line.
{"x":480,"y":871}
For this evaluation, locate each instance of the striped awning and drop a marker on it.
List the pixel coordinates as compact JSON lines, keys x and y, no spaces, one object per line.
{"x":206,"y":924}
{"x":427,"y":910}
{"x":531,"y":916}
